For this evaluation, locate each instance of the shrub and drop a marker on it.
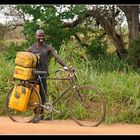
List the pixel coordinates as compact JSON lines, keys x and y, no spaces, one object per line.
{"x":13,"y":48}
{"x":134,"y":51}
{"x":97,"y":48}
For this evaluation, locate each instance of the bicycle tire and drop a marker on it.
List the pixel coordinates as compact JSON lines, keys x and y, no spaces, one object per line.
{"x":87,"y":106}
{"x":32,"y":111}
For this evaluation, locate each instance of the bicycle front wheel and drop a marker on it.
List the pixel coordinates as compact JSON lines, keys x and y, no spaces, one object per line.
{"x":32,"y":110}
{"x":87,"y":106}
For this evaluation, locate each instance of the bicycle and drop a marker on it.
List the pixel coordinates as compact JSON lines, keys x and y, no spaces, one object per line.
{"x":86,"y":103}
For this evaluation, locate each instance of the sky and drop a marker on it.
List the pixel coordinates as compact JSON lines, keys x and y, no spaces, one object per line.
{"x":2,"y":19}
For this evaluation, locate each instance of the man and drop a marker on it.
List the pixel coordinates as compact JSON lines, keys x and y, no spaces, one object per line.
{"x":44,"y":51}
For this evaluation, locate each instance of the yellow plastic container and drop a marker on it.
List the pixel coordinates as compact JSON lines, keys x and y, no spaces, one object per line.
{"x":33,"y":97}
{"x":23,"y":73}
{"x":26,"y":59}
{"x":19,"y":98}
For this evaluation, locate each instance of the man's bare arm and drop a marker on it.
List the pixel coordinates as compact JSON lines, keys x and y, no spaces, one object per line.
{"x":56,"y":56}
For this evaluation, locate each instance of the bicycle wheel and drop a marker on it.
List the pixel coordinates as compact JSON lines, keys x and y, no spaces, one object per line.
{"x":87,"y":106}
{"x":32,"y":110}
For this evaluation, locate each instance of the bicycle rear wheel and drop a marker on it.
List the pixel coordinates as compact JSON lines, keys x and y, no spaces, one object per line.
{"x":87,"y":106}
{"x":32,"y":111}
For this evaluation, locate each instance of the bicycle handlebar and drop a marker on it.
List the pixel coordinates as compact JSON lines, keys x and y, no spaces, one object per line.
{"x":70,"y":70}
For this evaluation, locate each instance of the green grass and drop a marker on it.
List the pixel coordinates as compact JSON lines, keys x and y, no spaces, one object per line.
{"x":6,"y":69}
{"x":118,"y":81}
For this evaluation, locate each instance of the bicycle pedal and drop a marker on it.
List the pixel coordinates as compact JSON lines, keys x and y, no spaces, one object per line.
{"x":49,"y":109}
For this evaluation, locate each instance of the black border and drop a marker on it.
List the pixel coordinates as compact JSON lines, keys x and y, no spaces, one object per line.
{"x":96,"y":2}
{"x":69,"y":2}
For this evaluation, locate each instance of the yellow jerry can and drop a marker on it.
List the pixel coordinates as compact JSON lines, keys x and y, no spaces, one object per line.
{"x":26,"y":59}
{"x":23,"y":73}
{"x":19,"y":98}
{"x":34,"y":97}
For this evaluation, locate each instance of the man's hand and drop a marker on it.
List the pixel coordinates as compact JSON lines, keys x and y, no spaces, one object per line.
{"x":66,"y":68}
{"x":69,"y":69}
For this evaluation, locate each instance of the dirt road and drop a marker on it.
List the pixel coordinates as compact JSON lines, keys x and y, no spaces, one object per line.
{"x":63,"y":127}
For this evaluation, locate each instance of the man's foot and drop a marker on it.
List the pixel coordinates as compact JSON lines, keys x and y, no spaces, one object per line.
{"x":42,"y":117}
{"x":36,"y":120}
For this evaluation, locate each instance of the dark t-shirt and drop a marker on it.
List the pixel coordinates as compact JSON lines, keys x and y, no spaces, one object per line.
{"x":45,"y":53}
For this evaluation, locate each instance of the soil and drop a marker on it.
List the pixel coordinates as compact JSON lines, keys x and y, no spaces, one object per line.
{"x":64,"y":127}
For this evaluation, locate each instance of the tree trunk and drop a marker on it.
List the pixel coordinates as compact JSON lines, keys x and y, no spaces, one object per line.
{"x":133,"y":23}
{"x":132,"y":16}
{"x":117,"y":40}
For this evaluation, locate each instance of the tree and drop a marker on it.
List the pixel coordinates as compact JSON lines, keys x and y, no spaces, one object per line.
{"x":13,"y":17}
{"x":105,"y":16}
{"x":60,"y":24}
{"x":132,"y":16}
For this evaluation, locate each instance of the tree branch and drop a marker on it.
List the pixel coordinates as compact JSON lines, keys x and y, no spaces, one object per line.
{"x":13,"y":26}
{"x":78,"y":20}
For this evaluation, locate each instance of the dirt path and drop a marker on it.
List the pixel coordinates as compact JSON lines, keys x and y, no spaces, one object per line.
{"x":63,"y":127}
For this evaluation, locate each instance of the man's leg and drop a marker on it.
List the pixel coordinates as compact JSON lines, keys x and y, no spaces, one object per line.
{"x":43,"y":98}
{"x":42,"y":94}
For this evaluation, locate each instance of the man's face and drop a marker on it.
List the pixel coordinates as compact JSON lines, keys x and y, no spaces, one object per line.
{"x":40,"y":37}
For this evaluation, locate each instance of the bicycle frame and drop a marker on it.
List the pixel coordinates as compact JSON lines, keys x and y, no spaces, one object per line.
{"x":78,"y":99}
{"x":71,"y":81}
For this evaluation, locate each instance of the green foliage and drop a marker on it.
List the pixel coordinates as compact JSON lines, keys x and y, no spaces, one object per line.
{"x":50,"y":19}
{"x":2,"y":45}
{"x":112,"y":63}
{"x":73,"y":10}
{"x":44,"y":17}
{"x":73,"y":54}
{"x":2,"y":31}
{"x":6,"y":69}
{"x":29,"y":30}
{"x":97,"y":48}
{"x":134,"y":50}
{"x":118,"y":82}
{"x":12,"y":49}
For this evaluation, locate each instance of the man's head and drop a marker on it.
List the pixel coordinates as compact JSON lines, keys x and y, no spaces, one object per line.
{"x":40,"y":36}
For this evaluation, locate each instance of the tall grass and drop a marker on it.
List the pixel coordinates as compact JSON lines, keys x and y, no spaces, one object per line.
{"x":117,"y":80}
{"x":6,"y":69}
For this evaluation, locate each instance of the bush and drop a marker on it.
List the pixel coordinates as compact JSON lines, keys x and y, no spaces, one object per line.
{"x":134,"y":51}
{"x":97,"y":49}
{"x":2,"y":31}
{"x":13,"y":48}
